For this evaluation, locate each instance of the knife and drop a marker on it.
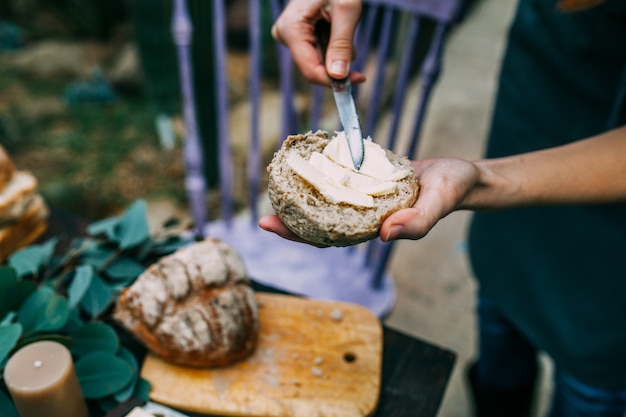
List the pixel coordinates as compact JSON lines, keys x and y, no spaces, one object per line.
{"x":342,"y":92}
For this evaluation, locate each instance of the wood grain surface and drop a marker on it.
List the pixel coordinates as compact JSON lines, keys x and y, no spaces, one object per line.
{"x":314,"y":358}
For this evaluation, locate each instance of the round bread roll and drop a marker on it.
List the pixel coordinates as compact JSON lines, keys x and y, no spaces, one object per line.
{"x":194,"y":307}
{"x":311,"y":216}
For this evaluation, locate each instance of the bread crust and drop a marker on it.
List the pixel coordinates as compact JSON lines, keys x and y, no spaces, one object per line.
{"x":193,"y":308}
{"x":312,"y":217}
{"x":7,"y":169}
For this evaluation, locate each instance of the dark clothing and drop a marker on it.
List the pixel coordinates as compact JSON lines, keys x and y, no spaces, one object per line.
{"x":559,"y":273}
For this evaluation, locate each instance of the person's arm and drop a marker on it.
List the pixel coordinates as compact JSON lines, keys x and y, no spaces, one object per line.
{"x":590,"y":171}
{"x":295,"y":28}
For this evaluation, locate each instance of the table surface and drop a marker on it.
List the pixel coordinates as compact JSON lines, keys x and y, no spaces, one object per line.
{"x":415,"y":373}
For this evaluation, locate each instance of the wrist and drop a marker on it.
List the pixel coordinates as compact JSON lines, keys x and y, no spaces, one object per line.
{"x":496,"y":186}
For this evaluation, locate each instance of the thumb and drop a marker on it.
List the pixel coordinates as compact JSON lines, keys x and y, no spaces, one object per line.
{"x":339,"y":52}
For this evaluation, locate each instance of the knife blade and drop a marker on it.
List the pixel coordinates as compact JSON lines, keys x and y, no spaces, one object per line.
{"x":342,"y":93}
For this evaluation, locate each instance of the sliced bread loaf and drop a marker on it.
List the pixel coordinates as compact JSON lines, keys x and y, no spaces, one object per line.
{"x":307,"y":213}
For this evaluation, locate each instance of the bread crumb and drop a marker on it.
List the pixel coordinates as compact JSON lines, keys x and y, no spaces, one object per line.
{"x":336,"y":315}
{"x":318,"y":361}
{"x":295,"y":356}
{"x":317,"y":371}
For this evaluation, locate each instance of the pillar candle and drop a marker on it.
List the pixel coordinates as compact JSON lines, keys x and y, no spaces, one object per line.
{"x":42,"y":382}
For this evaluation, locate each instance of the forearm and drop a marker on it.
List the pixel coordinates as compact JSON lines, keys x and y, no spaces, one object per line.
{"x":584,"y":172}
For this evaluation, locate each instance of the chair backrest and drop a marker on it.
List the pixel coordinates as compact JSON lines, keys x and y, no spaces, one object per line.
{"x":398,"y":43}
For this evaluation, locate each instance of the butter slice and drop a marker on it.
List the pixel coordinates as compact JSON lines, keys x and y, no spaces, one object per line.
{"x":375,"y":162}
{"x":324,"y":184}
{"x":346,"y":177}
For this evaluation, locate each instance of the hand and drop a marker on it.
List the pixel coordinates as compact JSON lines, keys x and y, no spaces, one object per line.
{"x":295,"y":28}
{"x":444,"y":184}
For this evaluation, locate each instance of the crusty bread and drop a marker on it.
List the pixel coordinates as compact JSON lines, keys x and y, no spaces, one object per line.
{"x":309,"y":215}
{"x":16,"y":196}
{"x":6,"y":168}
{"x":25,"y":230}
{"x":194,"y":307}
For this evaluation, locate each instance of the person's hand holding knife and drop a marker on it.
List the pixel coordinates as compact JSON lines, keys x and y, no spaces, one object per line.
{"x":296,"y":29}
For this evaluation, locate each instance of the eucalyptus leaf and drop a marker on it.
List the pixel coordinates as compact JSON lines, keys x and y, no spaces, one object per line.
{"x":102,"y":373}
{"x":8,"y":318}
{"x":128,"y":356}
{"x":79,"y":285}
{"x":142,"y":389}
{"x":98,"y":298}
{"x":24,"y":289}
{"x":128,"y":391}
{"x":93,"y":337}
{"x":9,"y":335}
{"x":133,"y":226}
{"x":74,"y":321}
{"x":7,"y":409}
{"x":8,"y":290}
{"x":107,"y":227}
{"x":30,"y":311}
{"x":30,"y":259}
{"x":54,"y":314}
{"x":97,"y":256}
{"x":124,"y":269}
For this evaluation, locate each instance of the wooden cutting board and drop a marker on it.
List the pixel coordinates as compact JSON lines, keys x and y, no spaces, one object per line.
{"x":314,"y":358}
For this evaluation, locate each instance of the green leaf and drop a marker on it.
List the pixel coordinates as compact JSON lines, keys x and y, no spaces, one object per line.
{"x":124,"y":269}
{"x":97,"y":256}
{"x":142,"y":389}
{"x":24,"y":289}
{"x":107,"y":227}
{"x":9,"y":335}
{"x":133,"y":227}
{"x":7,"y":409}
{"x":8,"y":290}
{"x":43,"y":310}
{"x":98,"y":297}
{"x":102,"y":373}
{"x":74,"y":321}
{"x":80,"y":284}
{"x":128,"y":391}
{"x":28,"y":260}
{"x":54,"y":315}
{"x":93,"y":337}
{"x":8,"y":318}
{"x":31,"y":309}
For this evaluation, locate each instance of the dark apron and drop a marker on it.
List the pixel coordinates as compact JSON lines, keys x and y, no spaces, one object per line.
{"x":559,"y":273}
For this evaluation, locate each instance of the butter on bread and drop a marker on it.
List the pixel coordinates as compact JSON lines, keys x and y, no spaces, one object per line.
{"x":330,"y":217}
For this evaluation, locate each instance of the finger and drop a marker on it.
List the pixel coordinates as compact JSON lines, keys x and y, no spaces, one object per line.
{"x":345,"y":17}
{"x":273,"y":224}
{"x":408,"y":223}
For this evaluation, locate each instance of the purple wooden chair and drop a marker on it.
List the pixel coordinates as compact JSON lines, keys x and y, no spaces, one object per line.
{"x":390,"y":46}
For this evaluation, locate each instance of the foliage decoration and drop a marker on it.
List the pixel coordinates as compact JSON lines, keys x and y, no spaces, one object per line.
{"x":68,"y":297}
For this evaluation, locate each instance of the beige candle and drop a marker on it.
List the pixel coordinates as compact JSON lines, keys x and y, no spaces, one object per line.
{"x":42,"y":382}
